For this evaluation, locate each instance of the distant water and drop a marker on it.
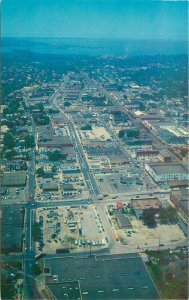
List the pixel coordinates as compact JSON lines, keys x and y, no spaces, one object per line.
{"x":94,"y":47}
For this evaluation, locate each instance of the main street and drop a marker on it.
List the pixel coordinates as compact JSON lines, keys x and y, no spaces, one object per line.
{"x":89,"y":178}
{"x":29,"y":246}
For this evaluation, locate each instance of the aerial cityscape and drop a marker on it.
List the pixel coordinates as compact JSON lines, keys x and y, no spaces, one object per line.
{"x":94,"y":150}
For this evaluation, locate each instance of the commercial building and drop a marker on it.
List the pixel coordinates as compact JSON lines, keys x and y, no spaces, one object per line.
{"x":100,"y":277}
{"x":14,"y":179}
{"x":12,"y":223}
{"x":147,"y":154}
{"x":75,"y":173}
{"x":56,"y":142}
{"x":167,"y":172}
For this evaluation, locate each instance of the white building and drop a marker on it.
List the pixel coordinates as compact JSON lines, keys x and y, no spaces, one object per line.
{"x":167,"y":172}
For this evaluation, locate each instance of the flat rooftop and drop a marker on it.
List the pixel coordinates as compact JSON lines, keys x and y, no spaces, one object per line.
{"x":12,"y":228}
{"x":106,"y":277}
{"x":17,"y":178}
{"x":169,"y":168}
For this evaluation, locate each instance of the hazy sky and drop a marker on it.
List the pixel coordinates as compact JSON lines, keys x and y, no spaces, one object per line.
{"x":150,"y":19}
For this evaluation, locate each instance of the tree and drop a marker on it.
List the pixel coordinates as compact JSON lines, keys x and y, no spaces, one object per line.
{"x":70,"y":240}
{"x":149,"y":217}
{"x":40,"y":106}
{"x":121,"y":133}
{"x":10,"y":154}
{"x":183,"y":152}
{"x":86,"y":127}
{"x":55,"y":155}
{"x":8,"y":141}
{"x":29,"y":141}
{"x":36,"y":232}
{"x":40,"y":171}
{"x":133,"y":133}
{"x":67,"y":104}
{"x":36,"y":269}
{"x":168,"y":214}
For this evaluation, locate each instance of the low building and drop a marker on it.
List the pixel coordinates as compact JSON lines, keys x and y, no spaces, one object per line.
{"x":120,"y":276}
{"x":167,"y":172}
{"x":70,"y":189}
{"x":139,"y":205}
{"x":49,"y":186}
{"x":12,"y":222}
{"x":147,"y":154}
{"x":14,"y":179}
{"x":123,"y":221}
{"x":75,"y":173}
{"x":181,"y":200}
{"x":56,"y":142}
{"x":165,"y":156}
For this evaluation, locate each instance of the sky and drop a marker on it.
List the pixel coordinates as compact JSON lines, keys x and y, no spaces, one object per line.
{"x":121,"y":19}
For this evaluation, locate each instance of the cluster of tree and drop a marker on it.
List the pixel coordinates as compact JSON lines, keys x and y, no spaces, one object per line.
{"x":121,"y":133}
{"x":86,"y":127}
{"x":40,"y":171}
{"x":40,"y":106}
{"x":54,"y":155}
{"x":8,"y":141}
{"x":36,"y":269}
{"x":183,"y":152}
{"x":10,"y":154}
{"x":42,"y":119}
{"x":67,"y":104}
{"x":12,"y":107}
{"x":168,"y":215}
{"x":29,"y":141}
{"x":133,"y":133}
{"x":149,"y":217}
{"x":36,"y":232}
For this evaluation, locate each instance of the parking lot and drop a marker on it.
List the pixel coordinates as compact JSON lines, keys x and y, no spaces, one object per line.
{"x":14,"y":195}
{"x":119,"y":182}
{"x":74,"y":227}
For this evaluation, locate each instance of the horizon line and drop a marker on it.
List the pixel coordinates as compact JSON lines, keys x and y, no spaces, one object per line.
{"x":96,"y":38}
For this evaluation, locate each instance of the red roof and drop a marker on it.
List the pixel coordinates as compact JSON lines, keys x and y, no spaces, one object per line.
{"x":119,"y":205}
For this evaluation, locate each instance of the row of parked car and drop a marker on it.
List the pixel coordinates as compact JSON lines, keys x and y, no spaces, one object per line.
{"x":90,"y":242}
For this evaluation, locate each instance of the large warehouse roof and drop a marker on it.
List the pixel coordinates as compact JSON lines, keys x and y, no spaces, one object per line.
{"x":17,"y":178}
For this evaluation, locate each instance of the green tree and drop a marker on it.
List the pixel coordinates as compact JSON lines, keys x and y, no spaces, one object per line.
{"x":10,"y":154}
{"x":149,"y":217}
{"x":183,"y":152}
{"x":67,"y":104}
{"x":40,"y":106}
{"x":36,"y":269}
{"x":29,"y":141}
{"x":40,"y":171}
{"x":121,"y":133}
{"x":54,"y":155}
{"x":133,"y":133}
{"x":70,"y":240}
{"x":86,"y":127}
{"x":168,"y":214}
{"x":36,"y":232}
{"x":8,"y":141}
